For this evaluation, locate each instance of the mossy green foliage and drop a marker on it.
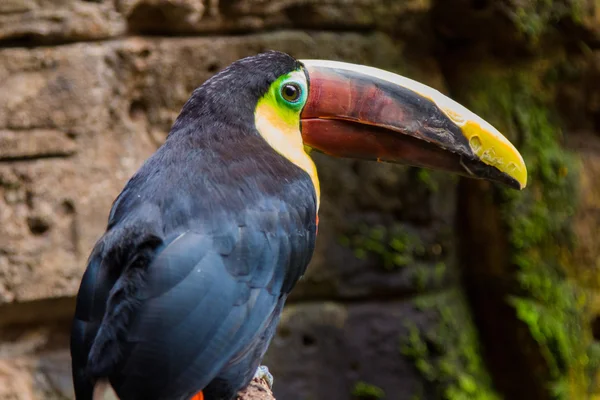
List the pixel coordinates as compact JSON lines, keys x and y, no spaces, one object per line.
{"x":366,"y":391}
{"x":445,"y":349}
{"x":538,"y":222}
{"x":426,"y":177}
{"x":393,"y":246}
{"x":534,"y":17}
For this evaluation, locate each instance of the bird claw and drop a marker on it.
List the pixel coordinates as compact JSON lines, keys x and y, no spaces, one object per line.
{"x":262,"y":372}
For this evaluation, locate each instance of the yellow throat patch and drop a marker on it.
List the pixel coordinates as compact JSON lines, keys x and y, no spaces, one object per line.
{"x":279,"y":125}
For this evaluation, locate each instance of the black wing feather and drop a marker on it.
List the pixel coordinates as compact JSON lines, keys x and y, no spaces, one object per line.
{"x":205,"y":298}
{"x":88,"y":315}
{"x":198,"y":312}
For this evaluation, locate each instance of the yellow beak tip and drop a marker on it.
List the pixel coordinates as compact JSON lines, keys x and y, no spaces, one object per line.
{"x":521,"y":173}
{"x":494,"y":149}
{"x":523,"y":184}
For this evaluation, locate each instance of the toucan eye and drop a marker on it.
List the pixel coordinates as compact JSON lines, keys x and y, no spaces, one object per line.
{"x":291,"y":92}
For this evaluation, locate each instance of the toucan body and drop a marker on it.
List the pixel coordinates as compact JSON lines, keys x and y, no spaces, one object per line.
{"x":183,"y":292}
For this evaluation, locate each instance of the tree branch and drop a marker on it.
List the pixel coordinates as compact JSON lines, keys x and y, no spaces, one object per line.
{"x":258,"y":389}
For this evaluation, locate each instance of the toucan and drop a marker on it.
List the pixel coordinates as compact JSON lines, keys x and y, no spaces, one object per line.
{"x":183,"y":292}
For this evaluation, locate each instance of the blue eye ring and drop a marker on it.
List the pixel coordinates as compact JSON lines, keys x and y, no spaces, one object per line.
{"x":291,"y":92}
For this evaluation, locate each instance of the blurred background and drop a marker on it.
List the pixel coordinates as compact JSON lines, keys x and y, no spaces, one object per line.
{"x":423,"y":285}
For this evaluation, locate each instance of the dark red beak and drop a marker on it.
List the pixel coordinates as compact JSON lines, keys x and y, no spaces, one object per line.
{"x":361,"y":112}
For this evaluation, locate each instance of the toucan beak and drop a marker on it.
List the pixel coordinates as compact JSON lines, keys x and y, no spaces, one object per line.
{"x":362,"y":112}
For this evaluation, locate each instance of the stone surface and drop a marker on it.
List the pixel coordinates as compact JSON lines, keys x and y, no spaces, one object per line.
{"x":34,"y":363}
{"x":168,"y":16}
{"x":507,"y":30}
{"x":418,"y":348}
{"x":385,"y":231}
{"x":31,"y":21}
{"x":323,"y":349}
{"x":54,"y":196}
{"x":28,"y":22}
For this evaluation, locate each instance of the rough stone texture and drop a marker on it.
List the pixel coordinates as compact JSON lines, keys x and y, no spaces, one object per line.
{"x":329,"y":350}
{"x":34,"y":363}
{"x":53,"y":200}
{"x":31,"y":21}
{"x":47,"y":21}
{"x":323,"y":349}
{"x":367,"y":207}
{"x":163,"y":16}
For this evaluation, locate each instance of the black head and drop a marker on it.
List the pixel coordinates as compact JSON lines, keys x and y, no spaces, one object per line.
{"x":230,"y":96}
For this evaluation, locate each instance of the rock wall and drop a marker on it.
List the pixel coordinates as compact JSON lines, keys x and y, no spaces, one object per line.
{"x":423,"y":286}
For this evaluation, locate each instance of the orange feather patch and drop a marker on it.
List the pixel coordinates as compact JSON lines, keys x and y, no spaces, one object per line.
{"x":198,"y":396}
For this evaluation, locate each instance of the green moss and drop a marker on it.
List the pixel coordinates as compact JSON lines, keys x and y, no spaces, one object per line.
{"x":533,"y":18}
{"x":593,"y":364}
{"x":445,"y":349}
{"x":397,"y":248}
{"x":366,"y":391}
{"x":538,"y":221}
{"x":425,"y":176}
{"x":394,"y":247}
